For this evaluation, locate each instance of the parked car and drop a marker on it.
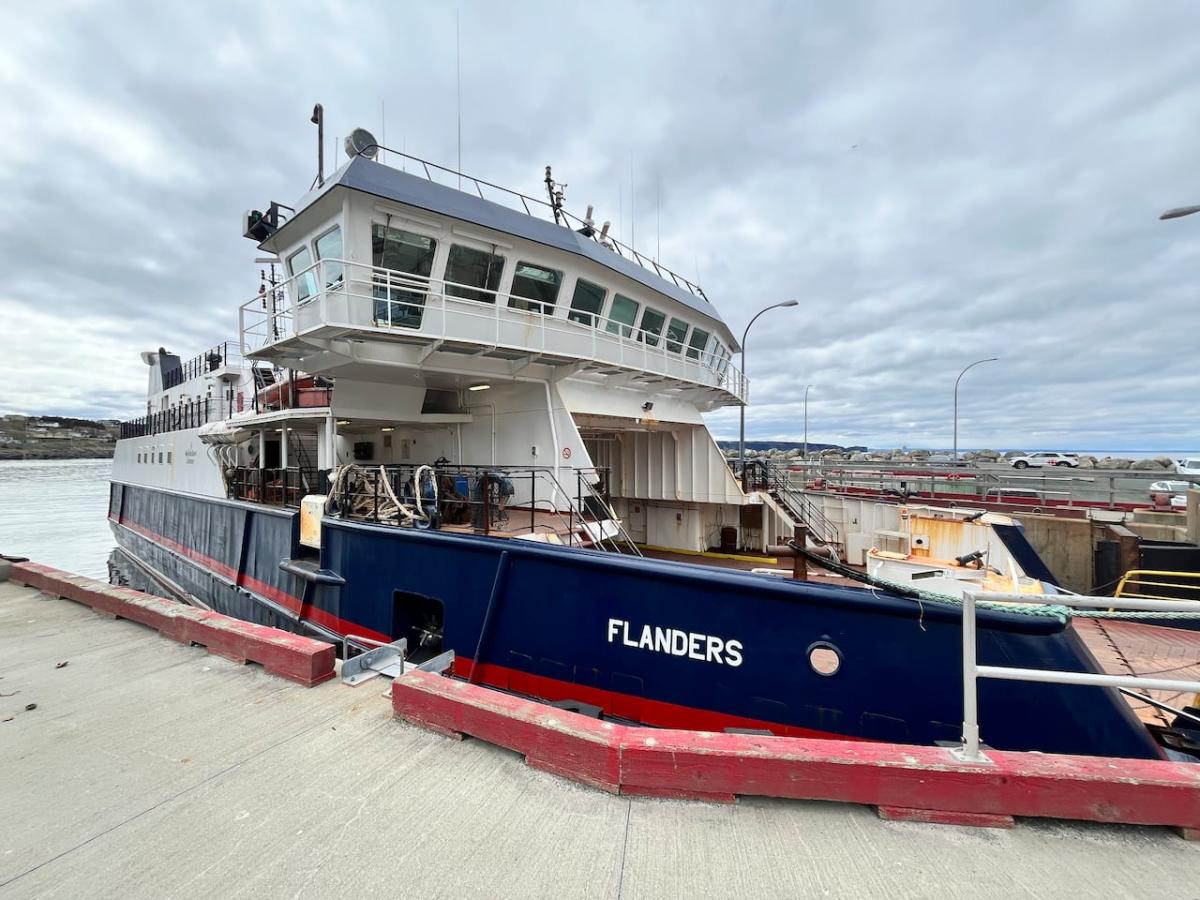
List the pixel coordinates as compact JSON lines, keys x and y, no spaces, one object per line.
{"x":1046,"y":458}
{"x":1188,"y":467}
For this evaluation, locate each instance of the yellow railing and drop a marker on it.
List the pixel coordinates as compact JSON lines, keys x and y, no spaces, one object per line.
{"x":1135,"y":582}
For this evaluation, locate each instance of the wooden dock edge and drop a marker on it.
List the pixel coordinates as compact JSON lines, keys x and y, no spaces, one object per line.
{"x":291,"y":656}
{"x":908,"y":783}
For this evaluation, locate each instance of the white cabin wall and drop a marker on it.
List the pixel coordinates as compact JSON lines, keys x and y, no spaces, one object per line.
{"x":680,"y":463}
{"x":611,"y":398}
{"x":377,"y":400}
{"x":185,"y":463}
{"x":404,"y":445}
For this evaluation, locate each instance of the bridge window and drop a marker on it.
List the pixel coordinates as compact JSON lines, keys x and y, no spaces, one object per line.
{"x":676,"y":332}
{"x":473,"y":274}
{"x":652,"y":326}
{"x":298,"y":268}
{"x":622,"y":315}
{"x":398,"y":301}
{"x":329,"y":248}
{"x":723,"y":357}
{"x":588,"y":300}
{"x":535,"y":289}
{"x":697,"y":344}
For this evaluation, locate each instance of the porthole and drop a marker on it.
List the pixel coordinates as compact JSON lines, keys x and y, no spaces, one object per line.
{"x":824,"y":658}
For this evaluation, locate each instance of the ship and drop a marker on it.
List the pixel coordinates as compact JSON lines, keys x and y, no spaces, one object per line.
{"x":462,"y":417}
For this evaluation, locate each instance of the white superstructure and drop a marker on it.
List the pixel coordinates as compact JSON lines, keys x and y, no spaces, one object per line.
{"x":416,"y":322}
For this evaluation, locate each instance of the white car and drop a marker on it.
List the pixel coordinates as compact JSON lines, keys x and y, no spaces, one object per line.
{"x":1187,"y":467}
{"x":1046,"y":458}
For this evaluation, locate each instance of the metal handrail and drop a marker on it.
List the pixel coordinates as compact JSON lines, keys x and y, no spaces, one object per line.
{"x":776,"y":478}
{"x":574,"y":512}
{"x":972,"y":671}
{"x":970,"y":485}
{"x":1139,"y":577}
{"x":587,"y":228}
{"x":186,"y":414}
{"x":270,"y":317}
{"x":224,"y":354}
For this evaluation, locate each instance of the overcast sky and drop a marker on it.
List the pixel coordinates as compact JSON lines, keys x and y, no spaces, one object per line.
{"x":935,"y":183}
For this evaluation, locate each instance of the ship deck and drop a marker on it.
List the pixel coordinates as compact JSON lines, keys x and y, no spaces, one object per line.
{"x":1134,"y":648}
{"x":151,"y":769}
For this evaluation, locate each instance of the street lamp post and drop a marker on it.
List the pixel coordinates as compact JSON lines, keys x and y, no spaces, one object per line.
{"x":956,"y":381}
{"x":807,"y":388}
{"x":742,"y":417}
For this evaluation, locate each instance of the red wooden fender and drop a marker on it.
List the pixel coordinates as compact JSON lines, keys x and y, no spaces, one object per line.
{"x":291,"y":656}
{"x":904,"y":781}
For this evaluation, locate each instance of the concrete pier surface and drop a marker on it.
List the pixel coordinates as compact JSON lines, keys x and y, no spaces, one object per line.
{"x":150,"y":769}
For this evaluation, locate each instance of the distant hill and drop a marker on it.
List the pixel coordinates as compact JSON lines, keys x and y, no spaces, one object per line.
{"x":56,"y":437}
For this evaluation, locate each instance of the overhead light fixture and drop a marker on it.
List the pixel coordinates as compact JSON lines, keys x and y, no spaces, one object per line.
{"x":343,"y":421}
{"x":481,"y":386}
{"x":361,"y":142}
{"x":386,"y":428}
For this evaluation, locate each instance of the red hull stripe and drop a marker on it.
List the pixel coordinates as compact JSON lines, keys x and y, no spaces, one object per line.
{"x":288,"y":601}
{"x":628,"y":706}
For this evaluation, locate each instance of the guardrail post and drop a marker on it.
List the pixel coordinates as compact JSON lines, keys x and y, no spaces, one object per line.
{"x":970,"y":730}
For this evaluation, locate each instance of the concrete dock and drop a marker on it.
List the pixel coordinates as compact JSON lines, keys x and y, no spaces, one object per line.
{"x":151,"y":769}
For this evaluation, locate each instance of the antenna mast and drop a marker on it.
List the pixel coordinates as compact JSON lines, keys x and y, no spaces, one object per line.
{"x":632,"y":217}
{"x":458,"y":78}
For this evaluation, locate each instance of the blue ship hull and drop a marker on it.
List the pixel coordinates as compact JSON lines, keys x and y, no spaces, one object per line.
{"x":661,"y":643}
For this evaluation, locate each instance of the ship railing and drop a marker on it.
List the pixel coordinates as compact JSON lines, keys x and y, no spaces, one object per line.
{"x":957,"y":488}
{"x":1053,"y":488}
{"x":774,"y":478}
{"x":510,"y":501}
{"x":226,"y":354}
{"x":973,"y":671}
{"x":539,"y":208}
{"x":186,"y":414}
{"x":284,"y":487}
{"x":1159,"y":584}
{"x":353,"y":296}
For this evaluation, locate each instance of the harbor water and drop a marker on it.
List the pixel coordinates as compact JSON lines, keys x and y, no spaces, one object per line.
{"x":55,"y":512}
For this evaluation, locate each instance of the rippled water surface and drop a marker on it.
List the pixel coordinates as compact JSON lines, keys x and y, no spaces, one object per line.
{"x":55,"y":512}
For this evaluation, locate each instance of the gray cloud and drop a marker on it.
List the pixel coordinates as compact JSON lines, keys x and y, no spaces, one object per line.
{"x":936,"y":183}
